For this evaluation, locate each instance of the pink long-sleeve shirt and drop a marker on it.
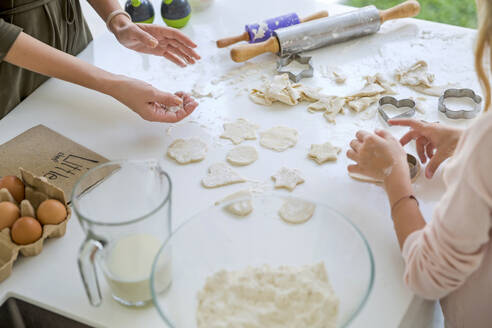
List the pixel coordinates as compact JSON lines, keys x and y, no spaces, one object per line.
{"x":451,"y":258}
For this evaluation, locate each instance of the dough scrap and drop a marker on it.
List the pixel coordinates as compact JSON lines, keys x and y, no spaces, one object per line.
{"x":281,"y":89}
{"x":287,"y":178}
{"x":419,"y":79}
{"x":296,"y":211}
{"x":278,"y":89}
{"x":239,"y":131}
{"x":242,"y":155}
{"x":324,"y":152}
{"x":360,"y":104}
{"x":382,"y":82}
{"x":219,"y":175}
{"x":185,"y":151}
{"x":242,"y":207}
{"x":338,"y":76}
{"x":415,"y":75}
{"x":279,"y":138}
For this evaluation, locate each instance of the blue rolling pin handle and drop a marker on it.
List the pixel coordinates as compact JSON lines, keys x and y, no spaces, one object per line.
{"x":263,"y":31}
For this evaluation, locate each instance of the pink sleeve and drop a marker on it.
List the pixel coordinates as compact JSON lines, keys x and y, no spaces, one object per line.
{"x":440,"y":257}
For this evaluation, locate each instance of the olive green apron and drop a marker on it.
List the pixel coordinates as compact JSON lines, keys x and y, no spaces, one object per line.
{"x":58,"y":23}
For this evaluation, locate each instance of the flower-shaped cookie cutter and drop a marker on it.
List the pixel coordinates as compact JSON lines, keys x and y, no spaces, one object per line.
{"x":460,"y":93}
{"x":403,"y":103}
{"x":282,"y":62}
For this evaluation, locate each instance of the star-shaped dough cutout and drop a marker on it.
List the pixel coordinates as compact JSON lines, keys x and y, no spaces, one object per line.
{"x":287,"y":178}
{"x":324,"y":152}
{"x":239,"y":131}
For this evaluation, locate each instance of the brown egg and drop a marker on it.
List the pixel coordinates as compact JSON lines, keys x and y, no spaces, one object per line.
{"x":14,"y":185}
{"x":51,"y":211}
{"x":8,"y":214}
{"x":26,"y":230}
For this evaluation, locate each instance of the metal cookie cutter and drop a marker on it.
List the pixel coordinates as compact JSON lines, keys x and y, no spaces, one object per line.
{"x":460,"y":93}
{"x":403,"y":103}
{"x":282,"y":62}
{"x":413,"y":166}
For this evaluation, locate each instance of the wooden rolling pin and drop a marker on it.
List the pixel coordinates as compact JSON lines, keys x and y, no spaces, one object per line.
{"x":260,"y":32}
{"x":326,"y":31}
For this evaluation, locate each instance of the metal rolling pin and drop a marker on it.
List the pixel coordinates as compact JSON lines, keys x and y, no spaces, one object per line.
{"x":326,"y":31}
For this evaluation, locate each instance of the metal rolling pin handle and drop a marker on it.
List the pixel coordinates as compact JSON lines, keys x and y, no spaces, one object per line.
{"x":326,"y":31}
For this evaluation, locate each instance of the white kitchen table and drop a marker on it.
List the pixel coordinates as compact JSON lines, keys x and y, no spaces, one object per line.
{"x":51,"y":279}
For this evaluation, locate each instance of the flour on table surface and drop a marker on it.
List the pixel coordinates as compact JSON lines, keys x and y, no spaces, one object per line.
{"x":186,"y":151}
{"x":220,"y":174}
{"x":296,"y":211}
{"x":325,"y":152}
{"x":205,"y":89}
{"x":265,"y":296}
{"x":239,"y":203}
{"x":287,"y":178}
{"x":279,"y":138}
{"x":239,"y":131}
{"x":242,"y":155}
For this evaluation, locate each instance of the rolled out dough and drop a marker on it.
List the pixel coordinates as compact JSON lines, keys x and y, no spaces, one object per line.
{"x":287,"y":178}
{"x":185,"y":151}
{"x":239,"y":131}
{"x":279,"y":138}
{"x":324,"y":152}
{"x":240,"y":203}
{"x":220,"y":174}
{"x":296,"y":211}
{"x":242,"y":155}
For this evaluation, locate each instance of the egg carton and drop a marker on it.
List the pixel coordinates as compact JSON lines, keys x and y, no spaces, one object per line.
{"x":37,"y":189}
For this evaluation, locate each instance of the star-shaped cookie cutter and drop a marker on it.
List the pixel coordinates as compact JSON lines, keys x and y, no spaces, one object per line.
{"x":282,"y":62}
{"x":460,"y":93}
{"x":403,"y":103}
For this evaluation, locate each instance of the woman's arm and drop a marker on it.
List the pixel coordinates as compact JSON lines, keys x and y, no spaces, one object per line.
{"x":34,"y":55}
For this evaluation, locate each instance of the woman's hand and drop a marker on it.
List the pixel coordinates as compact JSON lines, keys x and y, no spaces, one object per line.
{"x":155,"y":40}
{"x":150,"y":103}
{"x":377,"y":155}
{"x":434,"y":141}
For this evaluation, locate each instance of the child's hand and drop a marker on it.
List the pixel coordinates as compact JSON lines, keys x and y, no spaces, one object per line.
{"x":377,"y":155}
{"x":434,"y":141}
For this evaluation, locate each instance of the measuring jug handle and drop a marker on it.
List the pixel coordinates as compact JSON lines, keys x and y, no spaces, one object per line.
{"x":87,"y":268}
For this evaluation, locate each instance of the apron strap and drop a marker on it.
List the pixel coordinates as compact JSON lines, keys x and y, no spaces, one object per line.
{"x":24,"y":8}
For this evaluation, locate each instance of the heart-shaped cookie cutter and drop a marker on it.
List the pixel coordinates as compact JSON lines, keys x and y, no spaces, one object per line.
{"x":403,"y":103}
{"x":282,"y":62}
{"x":460,"y":93}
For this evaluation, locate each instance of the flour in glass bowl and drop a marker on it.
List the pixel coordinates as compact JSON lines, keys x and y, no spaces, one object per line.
{"x":286,"y":296}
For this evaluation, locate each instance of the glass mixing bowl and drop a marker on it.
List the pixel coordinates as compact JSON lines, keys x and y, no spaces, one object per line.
{"x":216,"y":239}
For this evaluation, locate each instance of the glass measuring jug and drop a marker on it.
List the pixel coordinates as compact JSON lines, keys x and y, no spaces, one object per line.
{"x":124,"y":209}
